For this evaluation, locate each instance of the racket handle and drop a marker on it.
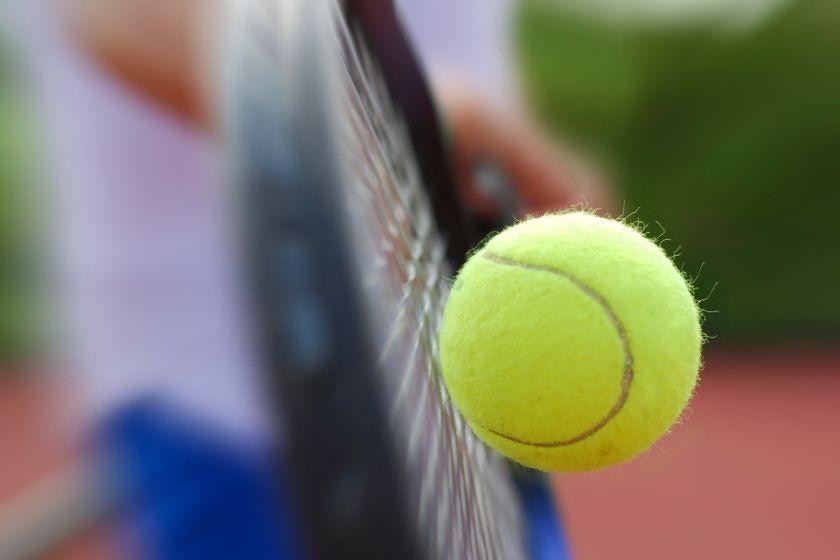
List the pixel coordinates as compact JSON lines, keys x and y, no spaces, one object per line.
{"x":495,"y":184}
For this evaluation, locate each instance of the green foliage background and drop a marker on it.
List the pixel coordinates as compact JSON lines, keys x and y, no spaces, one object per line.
{"x":18,"y":227}
{"x":730,"y":140}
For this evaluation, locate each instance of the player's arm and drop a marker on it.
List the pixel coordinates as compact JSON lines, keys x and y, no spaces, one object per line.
{"x":160,"y":48}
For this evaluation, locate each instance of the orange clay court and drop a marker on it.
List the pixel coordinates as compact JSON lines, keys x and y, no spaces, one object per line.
{"x":738,"y":480}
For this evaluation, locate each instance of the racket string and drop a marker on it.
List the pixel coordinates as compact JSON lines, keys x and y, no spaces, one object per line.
{"x":463,"y":494}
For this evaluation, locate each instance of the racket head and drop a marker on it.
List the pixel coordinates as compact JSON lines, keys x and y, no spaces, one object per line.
{"x":352,"y":227}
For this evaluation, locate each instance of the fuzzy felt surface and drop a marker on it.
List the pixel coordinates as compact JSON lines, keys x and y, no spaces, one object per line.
{"x":570,"y":342}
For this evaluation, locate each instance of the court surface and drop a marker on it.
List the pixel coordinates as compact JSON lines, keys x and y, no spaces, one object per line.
{"x":754,"y":472}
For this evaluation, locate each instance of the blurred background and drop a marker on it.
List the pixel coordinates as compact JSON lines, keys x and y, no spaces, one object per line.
{"x":720,"y":121}
{"x":716,"y":122}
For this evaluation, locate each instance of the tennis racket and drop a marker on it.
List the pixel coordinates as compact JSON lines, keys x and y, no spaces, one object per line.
{"x":353,"y":228}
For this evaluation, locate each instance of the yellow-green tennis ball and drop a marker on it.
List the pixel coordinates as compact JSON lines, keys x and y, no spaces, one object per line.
{"x":570,"y":342}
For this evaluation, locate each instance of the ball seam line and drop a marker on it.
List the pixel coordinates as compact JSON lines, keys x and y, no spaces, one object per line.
{"x":627,"y":377}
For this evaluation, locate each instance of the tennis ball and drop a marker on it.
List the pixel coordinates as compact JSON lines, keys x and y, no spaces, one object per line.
{"x":570,"y":342}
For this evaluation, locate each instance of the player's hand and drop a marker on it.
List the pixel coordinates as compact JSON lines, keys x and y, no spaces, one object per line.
{"x":164,"y":49}
{"x":494,"y":149}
